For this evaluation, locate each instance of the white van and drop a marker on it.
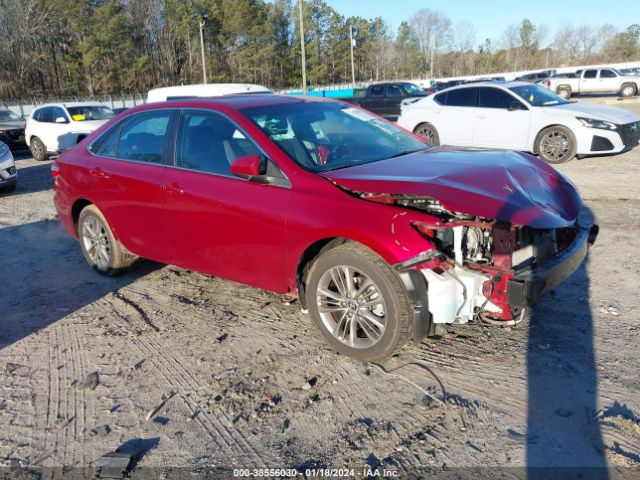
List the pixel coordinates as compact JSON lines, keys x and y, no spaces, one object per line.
{"x":203,"y":90}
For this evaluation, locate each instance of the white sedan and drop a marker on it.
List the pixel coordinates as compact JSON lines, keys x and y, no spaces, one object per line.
{"x":520,"y":116}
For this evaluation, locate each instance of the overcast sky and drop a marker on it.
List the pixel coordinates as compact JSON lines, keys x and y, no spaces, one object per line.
{"x":491,"y":17}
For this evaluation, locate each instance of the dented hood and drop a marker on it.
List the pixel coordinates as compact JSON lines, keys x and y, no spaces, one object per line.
{"x":496,"y":184}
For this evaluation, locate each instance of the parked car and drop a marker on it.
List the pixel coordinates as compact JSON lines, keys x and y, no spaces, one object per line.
{"x":595,"y":80}
{"x":384,"y":98}
{"x":11,"y":128}
{"x":55,"y":127}
{"x":382,"y":238}
{"x":536,"y":76}
{"x":8,"y":172}
{"x":635,"y":71}
{"x":521,"y":116}
{"x":204,"y":90}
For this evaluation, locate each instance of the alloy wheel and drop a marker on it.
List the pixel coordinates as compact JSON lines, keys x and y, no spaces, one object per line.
{"x":96,"y":242}
{"x":36,"y":150}
{"x":426,"y":133}
{"x":555,"y":146}
{"x":351,"y":306}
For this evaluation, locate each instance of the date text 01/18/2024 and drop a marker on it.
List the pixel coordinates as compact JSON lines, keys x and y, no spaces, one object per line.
{"x":315,"y":472}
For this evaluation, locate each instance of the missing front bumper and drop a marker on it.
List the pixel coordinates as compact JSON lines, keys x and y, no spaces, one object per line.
{"x":528,"y":286}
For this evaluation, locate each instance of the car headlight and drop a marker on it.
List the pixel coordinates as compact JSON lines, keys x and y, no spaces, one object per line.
{"x":594,"y":123}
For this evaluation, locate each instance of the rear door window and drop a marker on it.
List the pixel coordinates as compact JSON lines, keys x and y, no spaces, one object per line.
{"x":590,"y":74}
{"x":376,"y":91}
{"x":44,"y":115}
{"x":462,"y":97}
{"x":142,"y":138}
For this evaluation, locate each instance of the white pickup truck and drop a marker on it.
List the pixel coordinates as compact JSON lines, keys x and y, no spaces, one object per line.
{"x":595,"y":80}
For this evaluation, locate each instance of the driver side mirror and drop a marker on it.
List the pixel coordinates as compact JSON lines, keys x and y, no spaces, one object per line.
{"x":61,"y":120}
{"x":511,"y":106}
{"x":248,"y":166}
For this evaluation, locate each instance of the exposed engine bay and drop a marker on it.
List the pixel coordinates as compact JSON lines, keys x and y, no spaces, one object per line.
{"x":475,"y":259}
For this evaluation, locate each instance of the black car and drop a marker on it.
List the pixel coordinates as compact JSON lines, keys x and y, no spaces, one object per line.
{"x":536,"y":76}
{"x":11,"y":128}
{"x":385,"y":98}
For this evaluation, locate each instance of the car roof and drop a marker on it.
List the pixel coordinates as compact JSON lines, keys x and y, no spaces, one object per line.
{"x":236,"y":102}
{"x":503,"y":85}
{"x":162,"y":94}
{"x":71,"y":104}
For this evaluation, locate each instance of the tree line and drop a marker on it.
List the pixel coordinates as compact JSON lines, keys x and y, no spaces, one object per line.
{"x":59,"y":48}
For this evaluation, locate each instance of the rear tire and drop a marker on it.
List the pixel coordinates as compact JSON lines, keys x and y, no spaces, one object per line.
{"x":564,"y":92}
{"x":556,"y":144}
{"x":100,"y":248}
{"x":38,"y":149}
{"x":429,"y":133}
{"x":628,"y":90}
{"x":367,"y":317}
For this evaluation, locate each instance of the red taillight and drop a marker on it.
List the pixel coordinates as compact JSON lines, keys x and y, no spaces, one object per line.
{"x":548,"y":83}
{"x":55,"y":170}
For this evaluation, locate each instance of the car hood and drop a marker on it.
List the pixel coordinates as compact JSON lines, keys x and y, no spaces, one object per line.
{"x":496,"y":184}
{"x":592,"y":110}
{"x":12,"y":124}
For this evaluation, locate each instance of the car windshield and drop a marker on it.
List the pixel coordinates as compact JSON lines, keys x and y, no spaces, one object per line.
{"x":412,"y":88}
{"x":8,"y":116}
{"x":322,"y":136}
{"x":538,"y":96}
{"x":91,"y":112}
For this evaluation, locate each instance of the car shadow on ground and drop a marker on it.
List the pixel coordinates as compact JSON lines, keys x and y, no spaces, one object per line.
{"x":33,"y":178}
{"x":48,"y":279}
{"x":564,"y":439}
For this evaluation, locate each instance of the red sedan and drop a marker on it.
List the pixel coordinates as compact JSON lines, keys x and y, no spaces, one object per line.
{"x":382,"y":238}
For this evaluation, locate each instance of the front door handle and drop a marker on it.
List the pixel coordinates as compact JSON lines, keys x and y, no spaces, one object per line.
{"x":174,"y":189}
{"x":480,"y":116}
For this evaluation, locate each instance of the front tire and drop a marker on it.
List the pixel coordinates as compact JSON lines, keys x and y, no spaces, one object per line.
{"x":556,"y":144}
{"x":429,"y":133}
{"x":101,"y":250}
{"x":38,"y":149}
{"x":358,"y":303}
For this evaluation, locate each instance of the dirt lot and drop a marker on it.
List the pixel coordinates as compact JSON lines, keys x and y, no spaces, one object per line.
{"x":250,"y":384}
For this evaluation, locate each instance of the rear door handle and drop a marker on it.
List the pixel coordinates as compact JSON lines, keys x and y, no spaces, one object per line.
{"x":174,"y":189}
{"x":97,"y":172}
{"x":480,"y":116}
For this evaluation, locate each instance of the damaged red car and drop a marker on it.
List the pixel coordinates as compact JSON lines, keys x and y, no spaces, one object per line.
{"x":382,"y":238}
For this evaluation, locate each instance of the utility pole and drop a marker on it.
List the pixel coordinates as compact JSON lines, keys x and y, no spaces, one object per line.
{"x":353,"y":42}
{"x":304,"y":55}
{"x":433,"y":40}
{"x":204,"y":67}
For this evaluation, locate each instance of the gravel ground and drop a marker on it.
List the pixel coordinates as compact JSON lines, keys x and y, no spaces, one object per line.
{"x":242,"y":379}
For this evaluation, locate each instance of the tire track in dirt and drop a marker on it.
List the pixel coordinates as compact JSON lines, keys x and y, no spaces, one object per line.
{"x":174,"y":376}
